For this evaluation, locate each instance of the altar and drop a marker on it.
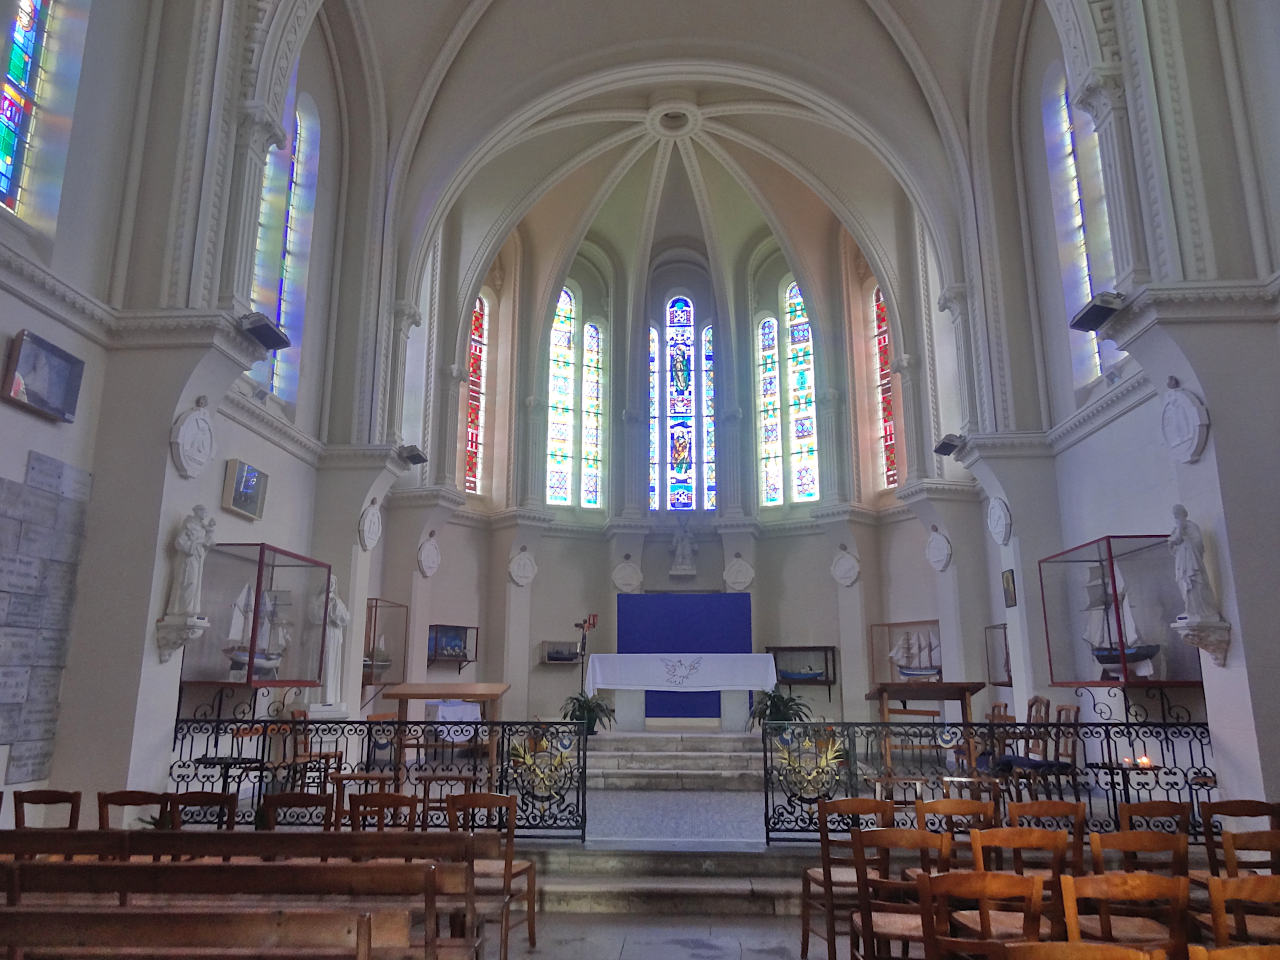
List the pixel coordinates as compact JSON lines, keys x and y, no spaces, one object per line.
{"x":733,"y":675}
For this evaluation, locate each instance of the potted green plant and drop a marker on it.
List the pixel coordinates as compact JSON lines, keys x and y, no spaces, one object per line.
{"x":589,"y":709}
{"x":776,"y":705}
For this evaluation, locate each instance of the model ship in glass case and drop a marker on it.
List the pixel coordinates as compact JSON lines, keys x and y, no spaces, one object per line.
{"x":915,"y":655}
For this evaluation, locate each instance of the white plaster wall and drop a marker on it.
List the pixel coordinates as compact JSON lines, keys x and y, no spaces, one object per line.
{"x":573,"y":580}
{"x":455,"y":599}
{"x":908,"y":583}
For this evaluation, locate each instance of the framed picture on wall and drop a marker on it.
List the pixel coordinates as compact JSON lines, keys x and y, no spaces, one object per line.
{"x":1010,"y":589}
{"x":42,"y":378}
{"x":244,"y":490}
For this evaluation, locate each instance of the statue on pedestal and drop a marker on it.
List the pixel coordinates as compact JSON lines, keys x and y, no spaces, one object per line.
{"x":682,"y":550}
{"x":334,"y":624}
{"x":1187,"y":545}
{"x":193,"y":541}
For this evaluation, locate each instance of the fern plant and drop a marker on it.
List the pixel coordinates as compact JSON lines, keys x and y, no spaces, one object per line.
{"x":776,"y":705}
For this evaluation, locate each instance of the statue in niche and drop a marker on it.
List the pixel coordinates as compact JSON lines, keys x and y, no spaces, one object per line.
{"x":334,"y":626}
{"x":1187,"y":544}
{"x":193,"y":541}
{"x":682,"y":551}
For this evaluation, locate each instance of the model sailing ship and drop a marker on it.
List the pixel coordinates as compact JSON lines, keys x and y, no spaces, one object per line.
{"x":273,"y":626}
{"x":1099,"y":632}
{"x":916,"y":655}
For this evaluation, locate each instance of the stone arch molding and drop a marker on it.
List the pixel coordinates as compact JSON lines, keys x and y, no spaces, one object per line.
{"x":1086,"y":29}
{"x":287,"y":28}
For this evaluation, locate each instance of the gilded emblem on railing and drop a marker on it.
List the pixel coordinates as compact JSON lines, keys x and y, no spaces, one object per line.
{"x":544,"y":766}
{"x":809,"y":768}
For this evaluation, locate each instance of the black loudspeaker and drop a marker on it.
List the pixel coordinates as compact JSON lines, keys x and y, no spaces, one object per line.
{"x":260,"y":327}
{"x":1097,"y":312}
{"x":412,"y":453}
{"x":948,"y":445}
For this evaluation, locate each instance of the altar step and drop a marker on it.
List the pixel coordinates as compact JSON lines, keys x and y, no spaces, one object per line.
{"x":675,"y":761}
{"x":579,"y":880}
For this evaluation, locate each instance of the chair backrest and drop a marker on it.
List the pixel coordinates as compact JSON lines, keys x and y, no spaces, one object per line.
{"x":382,"y":806}
{"x":1000,"y":713}
{"x":876,"y":851}
{"x":1054,"y":815}
{"x":1228,"y":897}
{"x":1168,"y":816}
{"x":1059,"y":950}
{"x":1107,"y":889}
{"x":989,"y":847}
{"x":849,"y":814}
{"x":225,"y":803}
{"x":1147,"y":850}
{"x":1068,"y":741}
{"x":1237,"y":847}
{"x":940,"y":894}
{"x":492,"y":812}
{"x":1038,"y":712}
{"x":24,"y":798}
{"x":163,"y":802}
{"x":955,"y":816}
{"x":298,"y":810}
{"x":1210,"y":810}
{"x":1247,"y":951}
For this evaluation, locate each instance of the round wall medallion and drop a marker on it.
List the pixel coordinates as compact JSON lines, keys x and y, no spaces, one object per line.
{"x":370,"y":525}
{"x":846,"y":568}
{"x":738,"y":574}
{"x":938,"y":551}
{"x":428,"y":557}
{"x":999,"y":520}
{"x":191,"y":441}
{"x":522,"y":568}
{"x":1184,"y":423}
{"x":627,"y":577}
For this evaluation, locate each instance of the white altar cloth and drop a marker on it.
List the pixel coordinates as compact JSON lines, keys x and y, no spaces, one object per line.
{"x":681,"y":672}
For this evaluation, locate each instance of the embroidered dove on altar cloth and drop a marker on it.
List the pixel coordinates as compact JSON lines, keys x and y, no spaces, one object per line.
{"x":680,"y":670}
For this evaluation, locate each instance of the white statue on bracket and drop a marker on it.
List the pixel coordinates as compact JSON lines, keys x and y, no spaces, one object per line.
{"x":334,"y":623}
{"x":183,"y":620}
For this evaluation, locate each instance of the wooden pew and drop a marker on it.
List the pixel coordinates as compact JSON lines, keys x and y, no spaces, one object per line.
{"x":27,"y":843}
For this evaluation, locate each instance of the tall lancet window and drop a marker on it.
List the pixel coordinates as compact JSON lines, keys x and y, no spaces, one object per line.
{"x":475,"y":394}
{"x":1083,"y":228}
{"x":786,"y":411}
{"x":681,"y":412}
{"x":884,"y":392}
{"x":19,"y":99}
{"x":575,"y":409}
{"x":282,"y":253}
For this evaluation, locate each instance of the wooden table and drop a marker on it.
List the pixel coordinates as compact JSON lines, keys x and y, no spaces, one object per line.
{"x":487,"y":695}
{"x":932,"y":690}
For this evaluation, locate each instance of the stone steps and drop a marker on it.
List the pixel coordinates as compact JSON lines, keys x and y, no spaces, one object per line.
{"x":692,"y":779}
{"x":675,"y":761}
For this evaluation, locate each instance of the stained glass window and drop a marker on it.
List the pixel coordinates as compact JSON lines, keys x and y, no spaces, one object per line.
{"x":682,"y":443}
{"x":562,"y":403}
{"x":786,"y":408}
{"x":801,"y":407}
{"x":18,"y":100}
{"x":654,"y":420}
{"x":591,"y":415}
{"x":708,"y":422}
{"x":884,"y":390}
{"x":475,"y":395}
{"x":283,"y":250}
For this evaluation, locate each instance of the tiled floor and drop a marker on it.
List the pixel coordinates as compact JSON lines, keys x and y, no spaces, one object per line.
{"x":568,"y":936}
{"x":663,"y":816}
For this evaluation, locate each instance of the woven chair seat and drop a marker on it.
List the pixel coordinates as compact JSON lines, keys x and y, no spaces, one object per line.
{"x":1005,"y":924}
{"x":1125,"y":929}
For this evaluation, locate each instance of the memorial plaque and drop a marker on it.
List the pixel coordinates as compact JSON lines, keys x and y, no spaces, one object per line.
{"x":20,"y":574}
{"x":39,"y":506}
{"x":44,"y":472}
{"x":4,"y":608}
{"x":13,"y":684}
{"x":64,"y":547}
{"x":49,"y":649}
{"x":25,"y":609}
{"x":10,"y":722}
{"x":56,"y":614}
{"x":59,"y":579}
{"x":10,"y":534}
{"x":17,"y":646}
{"x":38,"y":721}
{"x":76,"y":483}
{"x":11,"y":499}
{"x":36,"y":541}
{"x":28,"y":761}
{"x":43,"y":684}
{"x":71,"y":514}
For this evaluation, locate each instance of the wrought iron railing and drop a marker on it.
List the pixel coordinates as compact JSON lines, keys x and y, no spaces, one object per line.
{"x":542,"y":763}
{"x":1101,"y":764}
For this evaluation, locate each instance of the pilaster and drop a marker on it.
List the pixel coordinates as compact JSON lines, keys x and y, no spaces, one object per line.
{"x":954,"y":299}
{"x":257,"y":131}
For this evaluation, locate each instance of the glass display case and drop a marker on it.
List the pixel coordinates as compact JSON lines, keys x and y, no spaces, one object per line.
{"x":999,"y":673}
{"x":1108,"y":607}
{"x":448,"y":643}
{"x":267,"y":609}
{"x":386,"y":630}
{"x":911,"y":650}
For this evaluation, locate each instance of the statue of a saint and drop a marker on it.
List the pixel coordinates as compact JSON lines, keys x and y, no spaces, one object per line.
{"x":682,"y":550}
{"x":1187,"y":545}
{"x":193,"y":541}
{"x":334,"y":626}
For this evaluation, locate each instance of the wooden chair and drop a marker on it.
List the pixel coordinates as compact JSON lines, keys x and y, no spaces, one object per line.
{"x":1265,"y":842}
{"x":1149,"y":813}
{"x":1231,"y":921}
{"x":454,"y":885}
{"x":44,"y":798}
{"x":381,"y":781}
{"x":1146,"y":850}
{"x":1211,"y":810}
{"x":1080,"y":951}
{"x":940,"y":894}
{"x":1148,"y":890}
{"x":1032,"y":851}
{"x":163,"y":802}
{"x":226,"y":804}
{"x":887,"y":909}
{"x":504,"y":882}
{"x":436,"y":788}
{"x":305,"y":756}
{"x":1055,"y":815}
{"x":956,"y":817}
{"x":831,"y":887}
{"x":1249,"y":951}
{"x":382,"y":806}
{"x":298,"y":810}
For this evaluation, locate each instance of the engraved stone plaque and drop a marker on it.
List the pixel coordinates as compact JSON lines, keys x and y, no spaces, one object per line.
{"x":38,"y":721}
{"x":17,"y":645}
{"x":13,"y":684}
{"x":29,"y":760}
{"x":10,"y":721}
{"x":59,"y":579}
{"x":36,"y":541}
{"x":57,"y":613}
{"x":4,"y":607}
{"x":43,"y":683}
{"x":38,"y":506}
{"x":76,"y":483}
{"x":10,"y":534}
{"x":11,"y":499}
{"x":44,"y":473}
{"x":25,"y":610}
{"x":49,"y":649}
{"x":19,"y":574}
{"x":71,"y":514}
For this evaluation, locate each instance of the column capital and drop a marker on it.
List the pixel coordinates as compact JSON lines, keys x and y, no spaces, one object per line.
{"x":260,"y":127}
{"x":954,"y":299}
{"x":1102,"y":94}
{"x":407,"y":316}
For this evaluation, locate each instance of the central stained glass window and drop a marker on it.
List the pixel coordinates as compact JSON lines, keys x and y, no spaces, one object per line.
{"x":682,"y":474}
